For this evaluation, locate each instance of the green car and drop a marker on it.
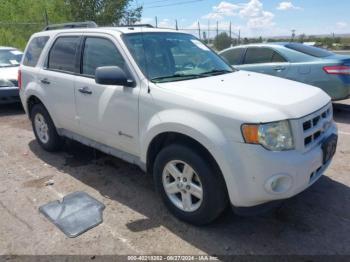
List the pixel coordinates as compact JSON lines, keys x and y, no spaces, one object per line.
{"x":295,"y":61}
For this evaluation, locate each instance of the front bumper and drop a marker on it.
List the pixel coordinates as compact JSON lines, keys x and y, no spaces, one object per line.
{"x":258,"y":167}
{"x":9,"y":95}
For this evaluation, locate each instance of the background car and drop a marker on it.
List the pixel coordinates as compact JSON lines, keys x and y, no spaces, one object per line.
{"x":295,"y":61}
{"x":10,"y":59}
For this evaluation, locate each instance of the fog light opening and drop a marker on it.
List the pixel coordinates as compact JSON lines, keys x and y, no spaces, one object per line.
{"x":279,"y":184}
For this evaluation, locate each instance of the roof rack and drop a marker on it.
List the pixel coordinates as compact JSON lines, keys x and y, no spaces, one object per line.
{"x":137,"y":25}
{"x":87,"y":24}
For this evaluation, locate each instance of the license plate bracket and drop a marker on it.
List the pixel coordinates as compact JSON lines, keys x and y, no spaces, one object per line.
{"x":329,"y":147}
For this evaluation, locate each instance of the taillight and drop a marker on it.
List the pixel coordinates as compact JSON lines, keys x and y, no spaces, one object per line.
{"x":337,"y":70}
{"x":19,"y":79}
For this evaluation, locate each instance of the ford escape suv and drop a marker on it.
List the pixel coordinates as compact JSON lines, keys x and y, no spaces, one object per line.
{"x":210,"y":135}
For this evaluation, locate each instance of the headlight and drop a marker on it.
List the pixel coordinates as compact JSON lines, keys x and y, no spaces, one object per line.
{"x":276,"y":136}
{"x":5,"y":83}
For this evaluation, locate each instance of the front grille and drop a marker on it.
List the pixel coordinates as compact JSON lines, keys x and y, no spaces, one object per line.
{"x":315,"y":125}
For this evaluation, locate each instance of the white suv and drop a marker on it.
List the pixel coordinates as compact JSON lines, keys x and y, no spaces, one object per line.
{"x":160,"y":99}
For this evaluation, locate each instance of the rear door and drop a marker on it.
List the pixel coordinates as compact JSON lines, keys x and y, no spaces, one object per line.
{"x":107,"y":114}
{"x":58,"y":77}
{"x":265,"y":60}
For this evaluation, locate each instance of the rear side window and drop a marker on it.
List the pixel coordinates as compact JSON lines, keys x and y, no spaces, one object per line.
{"x":100,"y":52}
{"x":62,"y":55}
{"x":34,"y":50}
{"x":309,"y":50}
{"x":258,"y":55}
{"x":233,"y":56}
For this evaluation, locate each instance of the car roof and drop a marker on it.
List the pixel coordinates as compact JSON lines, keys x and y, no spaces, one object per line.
{"x":7,"y":48}
{"x":264,"y":44}
{"x":110,"y":30}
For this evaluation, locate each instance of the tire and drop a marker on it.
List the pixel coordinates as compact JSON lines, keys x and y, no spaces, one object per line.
{"x":52,"y":142}
{"x":198,"y":210}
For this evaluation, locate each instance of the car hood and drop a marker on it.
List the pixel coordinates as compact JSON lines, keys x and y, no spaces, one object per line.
{"x":255,"y":96}
{"x":9,"y":73}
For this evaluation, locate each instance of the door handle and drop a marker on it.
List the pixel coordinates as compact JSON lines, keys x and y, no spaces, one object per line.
{"x":45,"y":81}
{"x":279,"y":68}
{"x":85,"y":90}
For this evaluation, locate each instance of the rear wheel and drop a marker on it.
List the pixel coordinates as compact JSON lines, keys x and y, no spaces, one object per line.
{"x":190,"y":187}
{"x":44,"y":129}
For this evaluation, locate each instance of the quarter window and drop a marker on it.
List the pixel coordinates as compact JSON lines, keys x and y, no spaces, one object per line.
{"x":62,"y":56}
{"x":100,"y":52}
{"x":34,"y":50}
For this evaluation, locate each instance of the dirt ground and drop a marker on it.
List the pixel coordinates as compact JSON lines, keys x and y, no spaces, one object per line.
{"x":316,"y":222}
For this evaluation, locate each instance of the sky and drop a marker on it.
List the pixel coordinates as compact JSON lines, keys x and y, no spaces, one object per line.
{"x":253,"y":18}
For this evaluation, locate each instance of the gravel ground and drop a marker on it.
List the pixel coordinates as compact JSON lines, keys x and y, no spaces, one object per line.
{"x":316,"y":222}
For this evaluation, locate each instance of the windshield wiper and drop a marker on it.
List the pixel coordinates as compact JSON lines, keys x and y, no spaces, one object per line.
{"x":156,"y":79}
{"x":205,"y":74}
{"x":217,"y":72}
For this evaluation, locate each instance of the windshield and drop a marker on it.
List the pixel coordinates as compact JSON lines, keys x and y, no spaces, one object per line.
{"x":309,"y":50}
{"x":10,"y":58}
{"x":166,"y":57}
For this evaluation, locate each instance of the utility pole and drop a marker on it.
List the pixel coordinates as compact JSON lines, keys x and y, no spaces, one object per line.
{"x":231,"y":32}
{"x":239,"y":36}
{"x":156,"y":22}
{"x":293,"y":35}
{"x":46,"y":17}
{"x":199,"y":30}
{"x":217,"y":28}
{"x":176,"y":26}
{"x":208,"y":31}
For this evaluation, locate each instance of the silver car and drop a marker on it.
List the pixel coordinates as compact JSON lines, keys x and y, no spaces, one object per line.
{"x":10,"y":59}
{"x":295,"y":61}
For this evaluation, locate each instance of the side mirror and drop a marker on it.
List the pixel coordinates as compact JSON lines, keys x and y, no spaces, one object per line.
{"x":112,"y":75}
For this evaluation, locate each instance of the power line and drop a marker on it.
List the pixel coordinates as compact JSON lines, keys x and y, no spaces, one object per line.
{"x":19,"y":23}
{"x":156,"y":2}
{"x":173,"y":4}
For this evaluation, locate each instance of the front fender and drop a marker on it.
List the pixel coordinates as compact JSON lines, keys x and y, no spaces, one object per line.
{"x":184,"y":122}
{"x":199,"y":128}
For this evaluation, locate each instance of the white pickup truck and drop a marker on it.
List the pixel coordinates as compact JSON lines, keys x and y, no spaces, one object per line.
{"x":210,"y":135}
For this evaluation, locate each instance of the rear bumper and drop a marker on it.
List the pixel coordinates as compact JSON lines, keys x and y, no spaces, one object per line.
{"x":9,"y":95}
{"x":337,"y":90}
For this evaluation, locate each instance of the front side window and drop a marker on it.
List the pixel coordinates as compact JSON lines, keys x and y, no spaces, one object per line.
{"x":100,"y":52}
{"x":62,"y":55}
{"x":34,"y":50}
{"x":10,"y":57}
{"x":166,"y":57}
{"x":233,"y":56}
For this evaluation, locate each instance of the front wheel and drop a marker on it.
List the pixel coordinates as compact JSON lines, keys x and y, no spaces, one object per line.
{"x":190,"y":187}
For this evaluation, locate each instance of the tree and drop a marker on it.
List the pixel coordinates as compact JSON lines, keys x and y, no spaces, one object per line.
{"x":222,"y":41}
{"x":19,"y":19}
{"x":104,"y":12}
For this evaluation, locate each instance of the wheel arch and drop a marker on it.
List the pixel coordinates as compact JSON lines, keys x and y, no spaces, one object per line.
{"x":34,"y":99}
{"x":31,"y":102}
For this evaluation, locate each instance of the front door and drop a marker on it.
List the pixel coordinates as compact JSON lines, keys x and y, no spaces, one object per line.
{"x":107,"y":114}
